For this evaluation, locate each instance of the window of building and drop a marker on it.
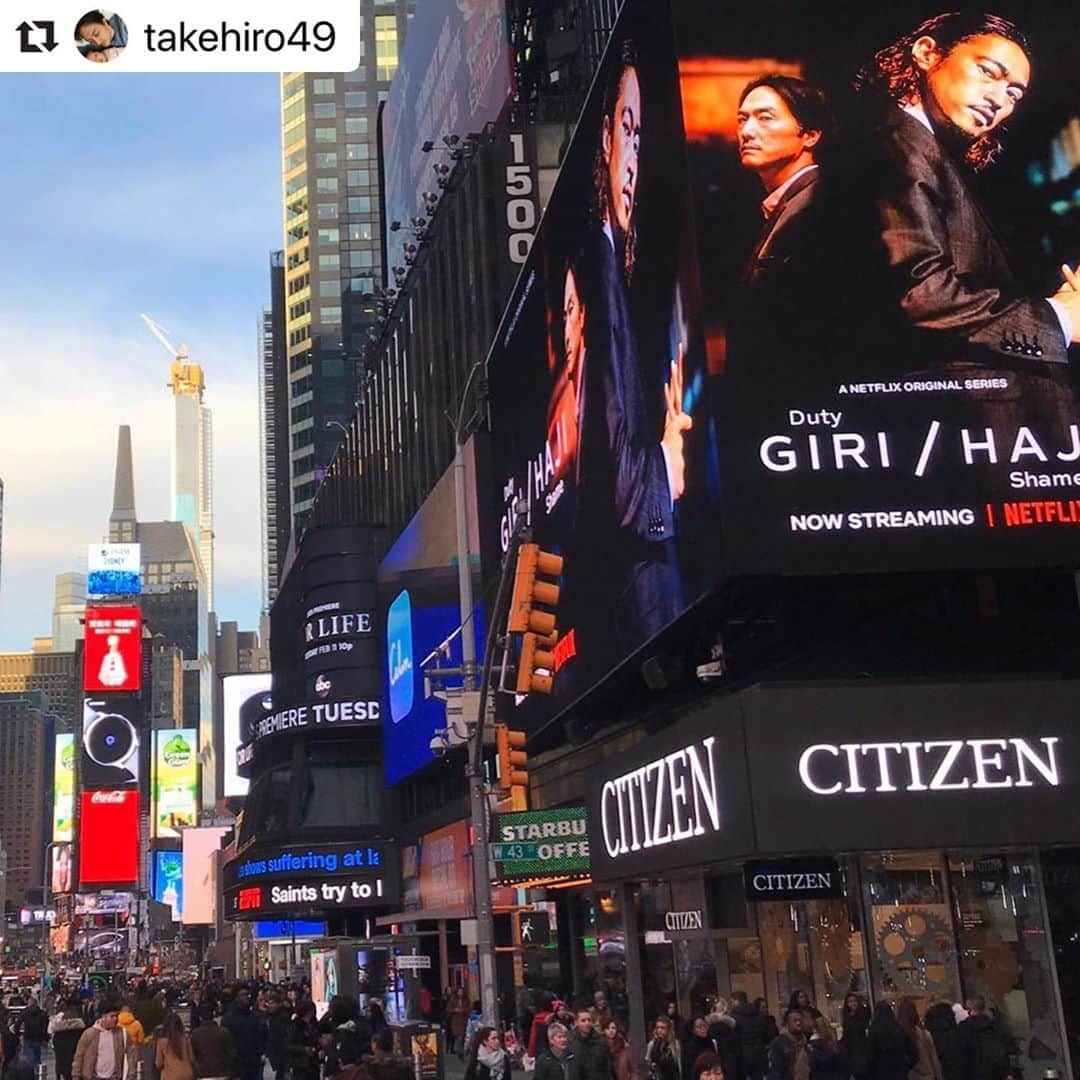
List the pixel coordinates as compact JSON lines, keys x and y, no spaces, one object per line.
{"x":325,"y":134}
{"x":359,"y":204}
{"x":355,"y":99}
{"x":297,"y":157}
{"x":361,"y":230}
{"x":294,"y":111}
{"x":325,"y":110}
{"x":303,"y":438}
{"x":323,"y":86}
{"x":301,"y":308}
{"x":326,"y":183}
{"x":386,"y":47}
{"x":326,"y":211}
{"x":339,"y":793}
{"x":297,"y":258}
{"x":330,"y":315}
{"x":329,"y":236}
{"x":296,"y":233}
{"x":299,"y":282}
{"x":361,"y":286}
{"x":300,"y":412}
{"x":361,"y":259}
{"x":357,"y":152}
{"x":297,"y":183}
{"x":357,"y":125}
{"x":330,"y":288}
{"x":359,"y":75}
{"x":326,"y":160}
{"x":329,"y":262}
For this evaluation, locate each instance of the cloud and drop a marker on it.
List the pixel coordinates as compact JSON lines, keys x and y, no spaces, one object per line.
{"x":70,"y":386}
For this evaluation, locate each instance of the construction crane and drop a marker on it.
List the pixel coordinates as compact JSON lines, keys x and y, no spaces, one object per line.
{"x":184,"y":376}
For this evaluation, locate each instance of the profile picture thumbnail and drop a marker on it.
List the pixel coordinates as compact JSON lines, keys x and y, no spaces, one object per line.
{"x":101,"y":35}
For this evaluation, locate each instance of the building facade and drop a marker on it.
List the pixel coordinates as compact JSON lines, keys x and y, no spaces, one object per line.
{"x":54,"y":674}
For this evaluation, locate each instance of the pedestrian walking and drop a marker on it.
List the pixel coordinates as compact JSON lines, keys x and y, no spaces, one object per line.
{"x":663,"y":1055}
{"x":487,"y":1058}
{"x":65,"y":1028}
{"x":212,"y":1047}
{"x":173,"y":1057}
{"x":940,"y":1022}
{"x":457,"y":1021}
{"x":35,"y":1032}
{"x":104,"y":1051}
{"x":708,"y":1067}
{"x":589,"y":1047}
{"x":303,"y":1045}
{"x":827,"y":1059}
{"x":854,"y":1037}
{"x":788,"y":1057}
{"x":927,"y":1067}
{"x":623,"y":1066}
{"x":248,"y":1033}
{"x":554,"y":1062}
{"x":722,"y":1030}
{"x":695,"y":1042}
{"x":890,"y":1053}
{"x":986,"y":1051}
{"x":278,"y":1020}
{"x":753,"y":1035}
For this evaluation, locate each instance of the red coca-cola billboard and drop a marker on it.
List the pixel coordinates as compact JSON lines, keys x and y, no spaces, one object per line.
{"x":113,"y":651}
{"x":108,"y":838}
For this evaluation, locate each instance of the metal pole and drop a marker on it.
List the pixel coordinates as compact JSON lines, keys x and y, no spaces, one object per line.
{"x":45,"y":922}
{"x":485,"y":923}
{"x":465,"y":590}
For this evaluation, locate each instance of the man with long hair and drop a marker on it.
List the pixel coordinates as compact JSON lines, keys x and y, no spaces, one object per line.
{"x":941,"y":96}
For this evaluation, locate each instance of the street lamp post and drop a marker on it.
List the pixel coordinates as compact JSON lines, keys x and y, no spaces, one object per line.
{"x":45,"y":919}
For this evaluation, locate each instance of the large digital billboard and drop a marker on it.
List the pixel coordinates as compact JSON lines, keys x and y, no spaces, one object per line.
{"x":808,"y":351}
{"x":175,"y":781}
{"x":453,"y":78}
{"x":110,"y":741}
{"x":112,"y":654}
{"x":200,"y":846}
{"x":113,"y":569}
{"x":108,"y":838}
{"x":64,"y":789}
{"x":169,"y":881}
{"x":235,"y":690}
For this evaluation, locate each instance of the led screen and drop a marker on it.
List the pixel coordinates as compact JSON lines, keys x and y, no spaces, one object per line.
{"x":108,"y":838}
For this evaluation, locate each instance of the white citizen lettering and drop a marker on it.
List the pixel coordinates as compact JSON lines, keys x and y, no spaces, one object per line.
{"x":804,"y":769}
{"x":854,"y":784}
{"x":611,"y":845}
{"x":1047,"y":768}
{"x":682,"y":822}
{"x":881,"y":749}
{"x":993,"y":761}
{"x":914,"y":766}
{"x":704,"y":787}
{"x":952,"y":752}
{"x":660,"y":820}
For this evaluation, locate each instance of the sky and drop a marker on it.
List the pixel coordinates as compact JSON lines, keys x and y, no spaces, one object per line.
{"x":127,"y":194}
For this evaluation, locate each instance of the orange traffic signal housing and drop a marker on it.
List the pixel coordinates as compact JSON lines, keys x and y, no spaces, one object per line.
{"x":536,"y":652}
{"x":530,"y":590}
{"x":510,"y":749}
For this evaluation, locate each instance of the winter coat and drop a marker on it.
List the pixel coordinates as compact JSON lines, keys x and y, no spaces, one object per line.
{"x":303,"y":1050}
{"x":623,"y":1065}
{"x":693,"y":1046}
{"x":84,"y":1063}
{"x":66,"y":1032}
{"x":551,"y":1067}
{"x":663,"y":1060}
{"x":249,"y":1034}
{"x":752,"y":1032}
{"x":214,"y":1050}
{"x":35,"y":1024}
{"x":890,"y":1053}
{"x":171,"y":1067}
{"x":591,"y":1058}
{"x":927,"y":1067}
{"x":132,"y":1026}
{"x":827,"y":1061}
{"x":941,"y":1023}
{"x":986,"y":1053}
{"x":724,"y":1033}
{"x":277,"y":1037}
{"x":782,"y":1053}
{"x":856,"y":1042}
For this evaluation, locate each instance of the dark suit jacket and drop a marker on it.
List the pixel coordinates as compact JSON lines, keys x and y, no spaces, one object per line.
{"x":626,"y":525}
{"x":944,"y":264}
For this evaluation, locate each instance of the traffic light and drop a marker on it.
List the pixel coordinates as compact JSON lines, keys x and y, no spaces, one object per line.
{"x":531,"y":590}
{"x":536,"y":652}
{"x":513,"y":779}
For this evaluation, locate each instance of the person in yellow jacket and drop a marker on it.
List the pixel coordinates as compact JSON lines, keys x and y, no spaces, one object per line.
{"x":132,"y":1026}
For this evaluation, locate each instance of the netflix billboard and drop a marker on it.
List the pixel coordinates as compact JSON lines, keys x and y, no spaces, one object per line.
{"x":108,"y":838}
{"x":113,"y":650}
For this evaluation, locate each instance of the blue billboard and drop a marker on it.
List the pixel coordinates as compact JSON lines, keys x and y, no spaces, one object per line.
{"x":169,"y":881}
{"x":414,"y":630}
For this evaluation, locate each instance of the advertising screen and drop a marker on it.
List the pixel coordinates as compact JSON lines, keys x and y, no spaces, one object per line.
{"x":197,"y":874}
{"x":64,"y":788}
{"x":113,"y":650}
{"x":169,"y":881}
{"x":108,"y":838}
{"x":60,"y":871}
{"x":453,"y":78}
{"x":113,"y":569}
{"x":110,"y":741}
{"x":175,"y":781}
{"x":888,"y":382}
{"x":596,"y":375}
{"x":235,"y":690}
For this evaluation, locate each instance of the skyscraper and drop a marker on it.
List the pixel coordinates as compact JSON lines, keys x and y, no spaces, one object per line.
{"x":274,"y":432}
{"x":68,"y":607}
{"x":333,"y":239}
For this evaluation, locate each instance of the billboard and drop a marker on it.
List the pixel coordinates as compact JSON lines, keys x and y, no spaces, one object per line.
{"x":540,"y":843}
{"x":784,"y":364}
{"x":60,"y":871}
{"x":169,"y":881}
{"x":595,"y":373}
{"x":110,"y":741}
{"x":235,"y":690}
{"x":108,"y":838}
{"x":198,"y":899}
{"x":113,"y":569}
{"x":175,"y":781}
{"x":112,"y":653}
{"x":887,"y":378}
{"x":64,"y":789}
{"x":453,"y":78}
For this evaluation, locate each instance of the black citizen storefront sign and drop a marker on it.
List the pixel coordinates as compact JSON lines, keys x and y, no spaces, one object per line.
{"x":841,"y":768}
{"x":272,"y":878}
{"x":792,"y":879}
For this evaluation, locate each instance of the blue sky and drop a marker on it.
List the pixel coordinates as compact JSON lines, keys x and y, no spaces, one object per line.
{"x":129,"y":194}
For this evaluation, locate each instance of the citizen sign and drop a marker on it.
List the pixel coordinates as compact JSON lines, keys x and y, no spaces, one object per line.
{"x":667,"y":800}
{"x":937,"y":765}
{"x":684,"y":920}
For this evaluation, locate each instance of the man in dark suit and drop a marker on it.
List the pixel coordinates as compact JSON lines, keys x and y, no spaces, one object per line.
{"x":630,"y":480}
{"x":942,"y":94}
{"x":785,"y":317}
